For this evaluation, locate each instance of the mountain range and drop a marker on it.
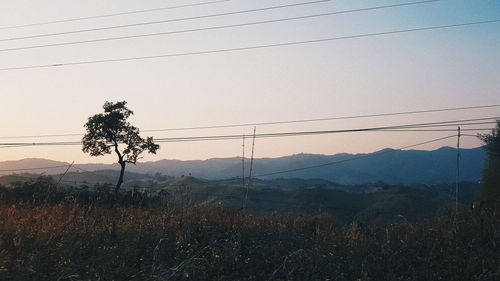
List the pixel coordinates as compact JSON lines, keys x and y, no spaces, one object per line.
{"x":390,"y":166}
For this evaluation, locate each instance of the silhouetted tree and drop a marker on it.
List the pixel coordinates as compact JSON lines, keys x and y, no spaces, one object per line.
{"x":110,"y":131}
{"x":491,"y":173}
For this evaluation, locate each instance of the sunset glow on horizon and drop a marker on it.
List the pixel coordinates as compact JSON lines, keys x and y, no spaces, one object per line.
{"x":390,"y":73}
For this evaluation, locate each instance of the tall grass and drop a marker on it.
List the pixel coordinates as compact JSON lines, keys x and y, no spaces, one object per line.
{"x":88,"y":242}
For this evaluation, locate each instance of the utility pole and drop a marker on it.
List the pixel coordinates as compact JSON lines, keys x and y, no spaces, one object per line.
{"x":251,"y":160}
{"x":243,"y":163}
{"x":458,"y":170}
{"x":251,"y":168}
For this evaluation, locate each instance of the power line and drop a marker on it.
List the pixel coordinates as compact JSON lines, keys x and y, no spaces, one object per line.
{"x":325,"y":119}
{"x":114,"y":14}
{"x":231,"y":137}
{"x":415,"y":125}
{"x":268,"y":135}
{"x":463,"y":122}
{"x":351,"y":159}
{"x":289,"y":170}
{"x":436,"y":130}
{"x":11,"y":146}
{"x":69,"y":166}
{"x":34,"y":176}
{"x":163,"y":21}
{"x":446,"y":124}
{"x":214,"y":27}
{"x":273,"y":135}
{"x":31,"y":169}
{"x":39,"y":136}
{"x":215,"y":51}
{"x":38,"y":143}
{"x":62,"y":176}
{"x":281,"y":122}
{"x":92,"y":172}
{"x":294,"y":134}
{"x":466,"y":135}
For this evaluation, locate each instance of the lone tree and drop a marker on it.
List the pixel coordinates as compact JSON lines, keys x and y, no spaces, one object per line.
{"x":110,"y":131}
{"x":490,"y":193}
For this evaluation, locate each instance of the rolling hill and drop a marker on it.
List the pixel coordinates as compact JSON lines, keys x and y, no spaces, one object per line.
{"x":407,"y":167}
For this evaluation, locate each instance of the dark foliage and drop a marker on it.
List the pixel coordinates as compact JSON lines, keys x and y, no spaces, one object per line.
{"x":490,"y":194}
{"x":110,"y":131}
{"x":44,"y":191}
{"x":51,"y":233}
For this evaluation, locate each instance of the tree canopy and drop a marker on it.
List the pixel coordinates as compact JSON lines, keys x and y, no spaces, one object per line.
{"x":492,"y":141}
{"x":110,"y":131}
{"x":491,"y":174}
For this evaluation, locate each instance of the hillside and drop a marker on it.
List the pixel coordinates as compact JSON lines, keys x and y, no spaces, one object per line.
{"x":286,"y":197}
{"x":407,"y":167}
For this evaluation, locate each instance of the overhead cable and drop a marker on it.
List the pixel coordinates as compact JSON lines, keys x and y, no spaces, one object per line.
{"x":351,"y":159}
{"x":300,"y":168}
{"x":326,"y":119}
{"x":162,"y":21}
{"x":281,"y":122}
{"x":113,"y":14}
{"x":308,"y":133}
{"x":236,"y":49}
{"x":282,"y":134}
{"x":38,"y":168}
{"x":211,"y":28}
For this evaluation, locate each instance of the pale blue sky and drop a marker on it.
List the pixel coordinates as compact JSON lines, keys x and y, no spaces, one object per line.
{"x":401,"y":72}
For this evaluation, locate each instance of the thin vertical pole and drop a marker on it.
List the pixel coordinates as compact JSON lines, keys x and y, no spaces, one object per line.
{"x":251,"y":168}
{"x":62,"y":176}
{"x":251,"y":159}
{"x":458,"y":171}
{"x":243,"y":163}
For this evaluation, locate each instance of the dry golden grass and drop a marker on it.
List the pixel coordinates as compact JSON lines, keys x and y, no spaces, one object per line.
{"x":69,"y":242}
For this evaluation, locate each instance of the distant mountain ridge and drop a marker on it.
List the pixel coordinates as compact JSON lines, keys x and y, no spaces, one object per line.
{"x":388,"y":165}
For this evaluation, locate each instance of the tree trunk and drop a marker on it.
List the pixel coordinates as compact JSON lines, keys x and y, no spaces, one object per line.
{"x":120,"y":180}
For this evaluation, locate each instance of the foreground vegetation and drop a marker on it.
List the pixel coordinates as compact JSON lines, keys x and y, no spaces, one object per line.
{"x":191,"y":232}
{"x":85,"y":242}
{"x":52,"y":233}
{"x":370,"y":203}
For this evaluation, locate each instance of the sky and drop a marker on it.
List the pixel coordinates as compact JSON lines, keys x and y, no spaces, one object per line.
{"x":433,"y":69}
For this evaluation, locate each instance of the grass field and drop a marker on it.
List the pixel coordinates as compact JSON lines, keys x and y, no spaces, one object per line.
{"x":84,"y":242}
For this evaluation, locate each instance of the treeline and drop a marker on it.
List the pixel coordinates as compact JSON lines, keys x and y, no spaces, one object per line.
{"x":381,"y":206}
{"x":45,"y":191}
